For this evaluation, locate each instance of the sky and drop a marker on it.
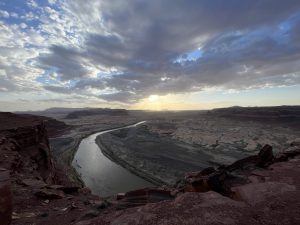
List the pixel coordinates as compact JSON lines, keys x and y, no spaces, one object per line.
{"x":155,"y":55}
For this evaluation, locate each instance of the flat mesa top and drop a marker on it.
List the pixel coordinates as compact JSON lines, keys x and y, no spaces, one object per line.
{"x":13,"y":121}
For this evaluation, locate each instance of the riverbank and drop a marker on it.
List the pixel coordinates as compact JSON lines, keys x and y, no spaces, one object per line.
{"x":102,"y":175}
{"x":166,"y":149}
{"x":64,"y":147}
{"x":160,"y":160}
{"x":135,"y":170}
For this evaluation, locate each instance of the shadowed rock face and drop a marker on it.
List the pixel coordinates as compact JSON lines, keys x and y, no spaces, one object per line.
{"x":30,"y":177}
{"x":290,"y":115}
{"x":5,"y":197}
{"x":13,"y":121}
{"x":25,"y":147}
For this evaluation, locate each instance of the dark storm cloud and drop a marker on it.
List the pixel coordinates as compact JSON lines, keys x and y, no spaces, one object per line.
{"x":125,"y":97}
{"x":243,"y":44}
{"x":66,"y":61}
{"x":58,"y":89}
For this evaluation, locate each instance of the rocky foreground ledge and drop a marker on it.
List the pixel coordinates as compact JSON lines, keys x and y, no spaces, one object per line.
{"x":261,"y":189}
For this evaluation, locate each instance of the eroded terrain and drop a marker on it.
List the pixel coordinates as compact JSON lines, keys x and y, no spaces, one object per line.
{"x":259,"y":189}
{"x":165,"y":148}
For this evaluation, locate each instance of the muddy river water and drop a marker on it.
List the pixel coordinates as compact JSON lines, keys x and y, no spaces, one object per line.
{"x":103,"y":176}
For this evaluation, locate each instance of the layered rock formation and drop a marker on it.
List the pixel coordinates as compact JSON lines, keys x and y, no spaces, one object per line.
{"x":5,"y":197}
{"x":260,"y":189}
{"x":33,"y":187}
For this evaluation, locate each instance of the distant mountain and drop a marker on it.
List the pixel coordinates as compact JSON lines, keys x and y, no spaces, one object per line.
{"x":93,"y":112}
{"x":54,"y":110}
{"x":65,"y":110}
{"x":286,"y":114}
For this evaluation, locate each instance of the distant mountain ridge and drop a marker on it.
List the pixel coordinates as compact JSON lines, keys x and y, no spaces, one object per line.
{"x":93,"y":112}
{"x":289,"y":115}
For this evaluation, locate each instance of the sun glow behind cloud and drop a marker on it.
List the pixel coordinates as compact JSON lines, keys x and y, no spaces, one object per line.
{"x":217,"y":98}
{"x":105,"y":54}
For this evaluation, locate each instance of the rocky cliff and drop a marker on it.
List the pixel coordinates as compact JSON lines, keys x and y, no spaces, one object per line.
{"x":260,"y":189}
{"x":33,"y":187}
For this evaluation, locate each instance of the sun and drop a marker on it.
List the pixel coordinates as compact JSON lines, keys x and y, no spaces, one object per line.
{"x":153,"y":98}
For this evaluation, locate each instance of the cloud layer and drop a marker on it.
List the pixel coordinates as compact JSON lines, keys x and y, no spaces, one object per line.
{"x":124,"y":51}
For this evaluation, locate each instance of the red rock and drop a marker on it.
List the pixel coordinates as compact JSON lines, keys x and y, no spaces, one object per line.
{"x":67,"y":190}
{"x":85,"y":190}
{"x":255,"y":193}
{"x":5,"y":198}
{"x":55,"y":186}
{"x":70,"y":189}
{"x":296,"y":142}
{"x":144,"y":196}
{"x":265,"y":156}
{"x":242,"y":163}
{"x":120,"y":196}
{"x":33,"y":183}
{"x":50,"y":194}
{"x":202,"y":183}
{"x":201,"y":173}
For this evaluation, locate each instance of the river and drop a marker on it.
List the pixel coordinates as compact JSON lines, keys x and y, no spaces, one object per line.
{"x":103,"y":176}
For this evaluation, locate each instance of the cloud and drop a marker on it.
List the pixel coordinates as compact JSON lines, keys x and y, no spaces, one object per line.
{"x":32,"y":3}
{"x":52,"y":2}
{"x":125,"y":51}
{"x":4,"y":14}
{"x":66,"y":61}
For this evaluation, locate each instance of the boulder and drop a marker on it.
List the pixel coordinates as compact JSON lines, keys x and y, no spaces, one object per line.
{"x":99,"y":204}
{"x":207,"y":171}
{"x":199,"y":174}
{"x":66,"y":190}
{"x":242,"y":164}
{"x":296,"y":142}
{"x":89,"y":214}
{"x":85,"y":191}
{"x":120,"y":196}
{"x":33,"y":183}
{"x":5,"y":197}
{"x":50,"y":194}
{"x":214,"y":181}
{"x":291,"y":152}
{"x":69,"y":189}
{"x":265,"y":156}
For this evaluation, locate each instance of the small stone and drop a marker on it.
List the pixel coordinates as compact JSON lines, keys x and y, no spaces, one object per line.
{"x":74,"y":206}
{"x":44,"y":215}
{"x":64,"y":209}
{"x":120,"y":196}
{"x":101,"y":204}
{"x":85,"y":191}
